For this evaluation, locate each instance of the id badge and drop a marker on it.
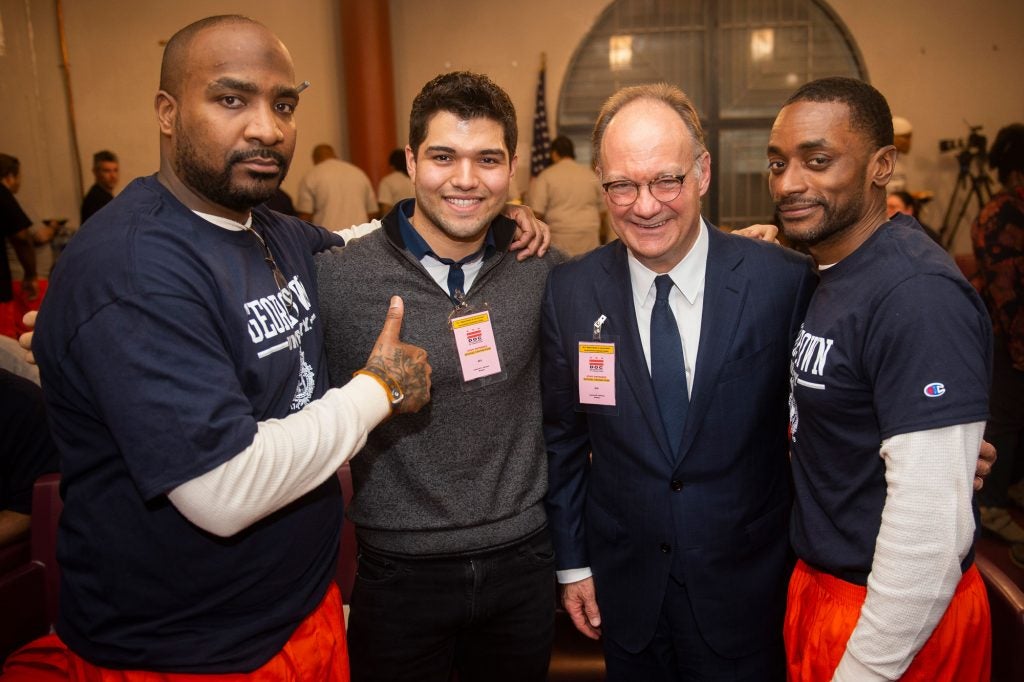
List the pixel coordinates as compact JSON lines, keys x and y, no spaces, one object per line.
{"x":597,"y":373}
{"x":476,"y":346}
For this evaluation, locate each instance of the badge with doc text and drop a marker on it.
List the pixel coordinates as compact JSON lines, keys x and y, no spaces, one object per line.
{"x":477,"y":348}
{"x":597,"y":373}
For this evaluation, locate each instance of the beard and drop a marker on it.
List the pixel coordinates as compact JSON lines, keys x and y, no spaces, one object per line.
{"x":835,"y":219}
{"x":431,"y":207}
{"x":218,"y":184}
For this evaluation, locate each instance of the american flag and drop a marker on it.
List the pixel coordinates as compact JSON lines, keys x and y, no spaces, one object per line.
{"x":540,"y":153}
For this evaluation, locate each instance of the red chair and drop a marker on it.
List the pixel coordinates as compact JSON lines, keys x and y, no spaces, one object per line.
{"x":23,"y":616}
{"x":1006,"y":601}
{"x":29,"y":576}
{"x":46,"y":508}
{"x":12,"y":311}
{"x":345,"y":574}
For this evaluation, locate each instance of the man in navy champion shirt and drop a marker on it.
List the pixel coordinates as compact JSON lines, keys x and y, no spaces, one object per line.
{"x":890,"y":376}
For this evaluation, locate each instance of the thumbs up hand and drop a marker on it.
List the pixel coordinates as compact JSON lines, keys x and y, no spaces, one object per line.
{"x":403,"y":364}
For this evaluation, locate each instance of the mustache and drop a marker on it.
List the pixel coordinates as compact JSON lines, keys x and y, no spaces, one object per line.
{"x":260,"y":153}
{"x":797,"y":202}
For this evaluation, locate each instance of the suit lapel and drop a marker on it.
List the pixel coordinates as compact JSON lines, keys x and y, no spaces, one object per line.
{"x":615,"y":292}
{"x":724,"y":295}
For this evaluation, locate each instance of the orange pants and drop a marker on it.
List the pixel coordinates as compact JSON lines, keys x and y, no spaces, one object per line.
{"x":316,"y":652}
{"x":822,"y":611}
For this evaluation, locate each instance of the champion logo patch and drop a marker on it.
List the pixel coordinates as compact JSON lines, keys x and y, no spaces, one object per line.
{"x":934,"y":390}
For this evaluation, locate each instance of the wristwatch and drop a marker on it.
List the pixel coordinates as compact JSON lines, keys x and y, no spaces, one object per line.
{"x":393,"y":388}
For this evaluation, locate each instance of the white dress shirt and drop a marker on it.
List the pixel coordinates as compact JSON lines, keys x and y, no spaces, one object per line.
{"x":439,"y":271}
{"x":686,"y":299}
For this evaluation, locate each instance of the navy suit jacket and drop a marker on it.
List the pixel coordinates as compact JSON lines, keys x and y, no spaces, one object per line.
{"x":713,"y":513}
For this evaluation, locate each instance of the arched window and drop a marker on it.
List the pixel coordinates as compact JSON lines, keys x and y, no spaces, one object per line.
{"x":738,"y":60}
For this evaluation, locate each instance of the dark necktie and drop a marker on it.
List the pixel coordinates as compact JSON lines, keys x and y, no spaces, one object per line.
{"x":668,"y":370}
{"x":456,"y":277}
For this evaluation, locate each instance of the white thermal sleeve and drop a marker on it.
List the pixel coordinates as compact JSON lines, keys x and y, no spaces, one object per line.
{"x":927,"y":530}
{"x":287,"y":458}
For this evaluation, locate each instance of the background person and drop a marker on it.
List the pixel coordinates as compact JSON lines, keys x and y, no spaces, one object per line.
{"x":106,"y":171}
{"x":998,"y":238}
{"x":15,"y":229}
{"x":903,"y":136}
{"x":335,"y":194}
{"x":904,"y":202}
{"x":396,"y":185}
{"x":567,"y":197}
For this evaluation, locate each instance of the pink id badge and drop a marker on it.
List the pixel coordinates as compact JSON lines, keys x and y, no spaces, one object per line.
{"x":477,"y":348}
{"x":597,"y":373}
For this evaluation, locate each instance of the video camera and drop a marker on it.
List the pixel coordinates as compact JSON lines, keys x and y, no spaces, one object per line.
{"x":972,"y":184}
{"x":975,"y":145}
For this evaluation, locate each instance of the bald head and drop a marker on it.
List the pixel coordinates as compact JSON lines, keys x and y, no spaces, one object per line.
{"x":226,"y":115}
{"x":174,"y":65}
{"x":666,"y":94}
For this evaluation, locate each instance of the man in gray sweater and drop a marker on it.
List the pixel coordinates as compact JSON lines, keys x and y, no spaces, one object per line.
{"x":456,"y":567}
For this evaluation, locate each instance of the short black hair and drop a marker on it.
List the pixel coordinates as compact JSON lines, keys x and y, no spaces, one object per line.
{"x":467,"y":95}
{"x":103,"y":156}
{"x":1007,"y":152}
{"x":9,"y":165}
{"x":396,"y":160}
{"x":869,"y":112}
{"x":564,"y":147}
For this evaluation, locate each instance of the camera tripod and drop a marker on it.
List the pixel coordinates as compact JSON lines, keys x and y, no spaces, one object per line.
{"x":970,"y":185}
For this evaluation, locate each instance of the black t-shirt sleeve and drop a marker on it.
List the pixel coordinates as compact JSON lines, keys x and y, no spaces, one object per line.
{"x":929,"y":349}
{"x":161,"y":376}
{"x":322,"y":239}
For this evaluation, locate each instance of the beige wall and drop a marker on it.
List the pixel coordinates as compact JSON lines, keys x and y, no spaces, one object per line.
{"x":505,"y":42}
{"x":938,"y":61}
{"x":114,"y":53}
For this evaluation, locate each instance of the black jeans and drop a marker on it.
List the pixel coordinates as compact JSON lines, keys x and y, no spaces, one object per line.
{"x":488,"y":616}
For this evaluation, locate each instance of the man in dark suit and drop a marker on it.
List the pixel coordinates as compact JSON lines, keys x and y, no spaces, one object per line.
{"x":666,"y":375}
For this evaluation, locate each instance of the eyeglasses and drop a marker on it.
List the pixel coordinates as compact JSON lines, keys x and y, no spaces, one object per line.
{"x":282,"y":284}
{"x":625,"y":192}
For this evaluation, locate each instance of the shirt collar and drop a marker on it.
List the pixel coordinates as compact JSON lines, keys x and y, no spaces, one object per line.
{"x":226,"y":223}
{"x":687,"y":275}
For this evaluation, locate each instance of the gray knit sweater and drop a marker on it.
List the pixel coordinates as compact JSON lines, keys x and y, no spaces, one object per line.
{"x":468,"y":472}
